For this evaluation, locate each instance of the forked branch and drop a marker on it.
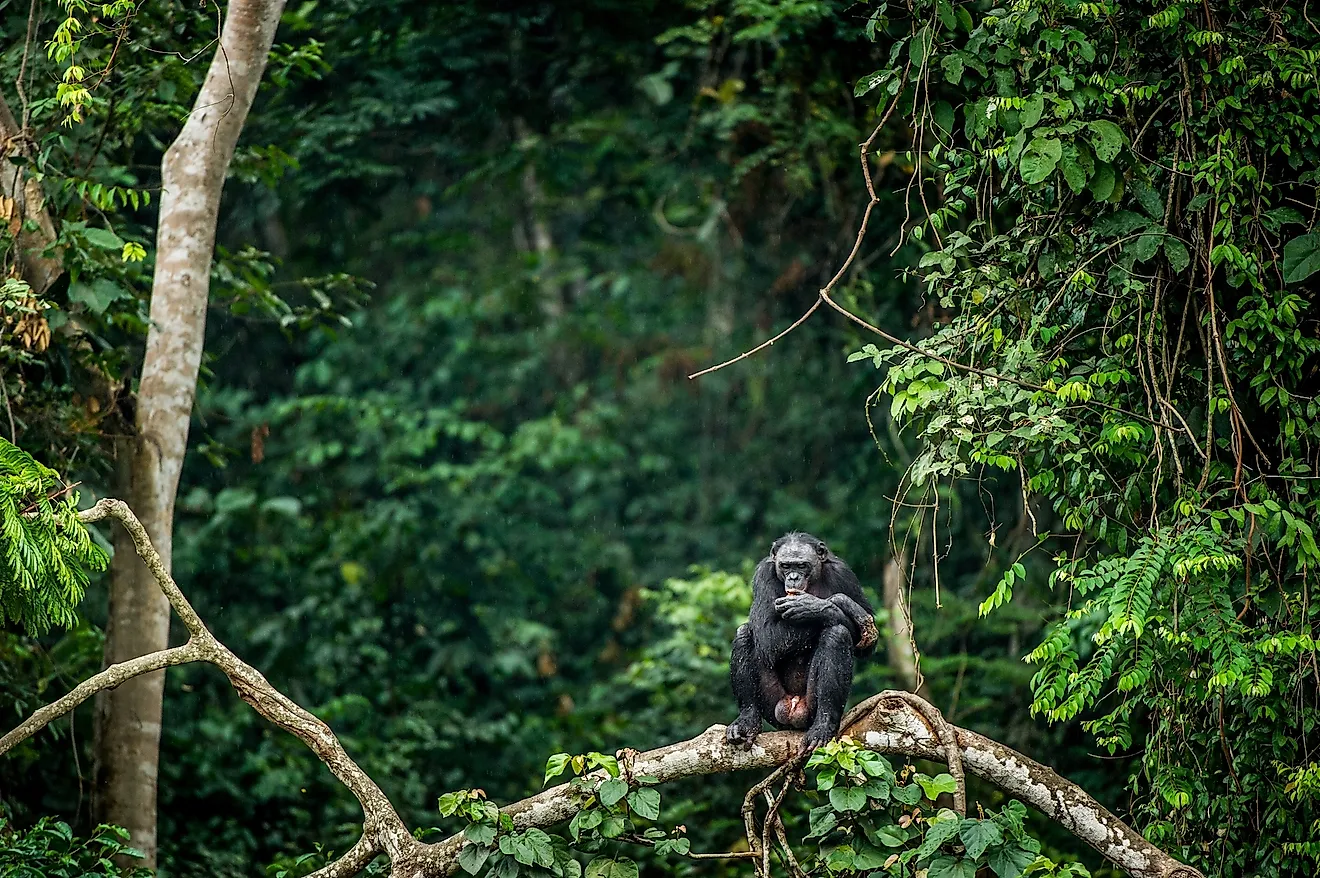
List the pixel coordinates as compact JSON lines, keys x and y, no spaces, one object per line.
{"x":895,"y":723}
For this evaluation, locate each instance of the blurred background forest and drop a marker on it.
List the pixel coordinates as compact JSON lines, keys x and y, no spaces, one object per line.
{"x":448,"y":526}
{"x":449,"y":484}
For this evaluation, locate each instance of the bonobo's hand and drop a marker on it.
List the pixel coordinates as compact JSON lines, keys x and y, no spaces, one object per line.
{"x":743,"y":731}
{"x":805,"y":609}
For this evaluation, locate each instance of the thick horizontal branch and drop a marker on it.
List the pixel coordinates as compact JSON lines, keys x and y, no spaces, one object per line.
{"x":887,"y":723}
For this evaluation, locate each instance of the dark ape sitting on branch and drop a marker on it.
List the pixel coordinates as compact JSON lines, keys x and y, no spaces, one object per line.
{"x":792,"y":662}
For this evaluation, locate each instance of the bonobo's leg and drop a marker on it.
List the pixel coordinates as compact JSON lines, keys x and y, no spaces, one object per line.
{"x":746,"y":679}
{"x":828,"y":684}
{"x":859,"y":620}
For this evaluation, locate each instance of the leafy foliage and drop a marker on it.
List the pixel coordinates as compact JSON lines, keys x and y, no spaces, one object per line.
{"x":49,"y":849}
{"x":46,"y":554}
{"x":1109,"y":196}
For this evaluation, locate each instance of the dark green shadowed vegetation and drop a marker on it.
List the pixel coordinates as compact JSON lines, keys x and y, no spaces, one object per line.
{"x":449,"y":486}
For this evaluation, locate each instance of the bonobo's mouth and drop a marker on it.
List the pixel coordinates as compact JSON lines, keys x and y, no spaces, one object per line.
{"x":793,"y":592}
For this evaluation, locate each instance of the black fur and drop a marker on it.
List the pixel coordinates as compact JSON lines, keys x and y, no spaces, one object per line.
{"x":792,"y":662}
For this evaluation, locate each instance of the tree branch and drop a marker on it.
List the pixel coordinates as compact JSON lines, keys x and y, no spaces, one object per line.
{"x":889,"y":722}
{"x":107,"y":679}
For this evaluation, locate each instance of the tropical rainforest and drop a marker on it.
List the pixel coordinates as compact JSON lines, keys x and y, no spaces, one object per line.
{"x":396,"y":397}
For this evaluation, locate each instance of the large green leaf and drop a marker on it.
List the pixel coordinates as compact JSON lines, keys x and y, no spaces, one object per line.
{"x":1301,"y":257}
{"x":1039,"y":159}
{"x":977,"y":835}
{"x":1106,"y":139}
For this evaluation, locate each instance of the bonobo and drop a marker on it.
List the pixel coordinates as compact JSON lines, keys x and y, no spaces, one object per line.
{"x":792,"y":662}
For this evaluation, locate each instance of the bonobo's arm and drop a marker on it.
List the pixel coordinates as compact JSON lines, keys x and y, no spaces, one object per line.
{"x":846,"y":605}
{"x":860,"y":622}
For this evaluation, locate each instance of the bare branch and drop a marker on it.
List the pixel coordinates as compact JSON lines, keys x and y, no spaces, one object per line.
{"x":107,"y":679}
{"x":896,"y":723}
{"x":354,"y":860}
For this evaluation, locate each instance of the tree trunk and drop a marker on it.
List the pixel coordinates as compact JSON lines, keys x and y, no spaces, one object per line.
{"x":902,"y":654}
{"x":21,"y":201}
{"x":194,"y":169}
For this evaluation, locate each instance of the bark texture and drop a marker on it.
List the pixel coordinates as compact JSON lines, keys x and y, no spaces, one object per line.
{"x":897,"y":723}
{"x":902,"y":653}
{"x":22,"y":206}
{"x":194,"y":169}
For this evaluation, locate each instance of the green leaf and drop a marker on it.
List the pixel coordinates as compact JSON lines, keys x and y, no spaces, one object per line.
{"x":848,"y":798}
{"x":945,"y":12}
{"x":601,"y":760}
{"x":449,"y":803}
{"x":613,"y":826}
{"x":612,"y":791}
{"x":877,"y":788}
{"x":1144,"y":248}
{"x":822,"y":820}
{"x":942,"y":828}
{"x":584,"y":821}
{"x":1301,"y":257}
{"x":680,"y":846}
{"x":951,"y":867}
{"x":555,"y":765}
{"x":840,"y":859}
{"x":479,"y":833}
{"x":919,"y":48}
{"x":1010,"y":860}
{"x":977,"y":835}
{"x":507,"y":867}
{"x":933,"y":786}
{"x":542,"y":847}
{"x":1102,"y":182}
{"x":623,"y":868}
{"x":103,"y":238}
{"x":645,"y":803}
{"x":871,"y":82}
{"x":909,"y":794}
{"x":1120,"y":223}
{"x":1176,"y":253}
{"x":1106,"y":139}
{"x":472,"y":857}
{"x":953,"y":68}
{"x":1039,"y":159}
{"x":889,"y":835}
{"x":867,"y":857}
{"x":1032,"y":110}
{"x":942,"y":113}
{"x":97,"y":295}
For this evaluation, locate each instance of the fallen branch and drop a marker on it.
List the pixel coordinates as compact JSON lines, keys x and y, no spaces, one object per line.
{"x":895,"y":723}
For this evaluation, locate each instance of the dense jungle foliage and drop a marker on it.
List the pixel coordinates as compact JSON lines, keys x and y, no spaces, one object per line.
{"x":450,"y":487}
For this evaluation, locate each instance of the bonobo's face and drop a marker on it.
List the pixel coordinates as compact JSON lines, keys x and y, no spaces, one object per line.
{"x":797,"y":562}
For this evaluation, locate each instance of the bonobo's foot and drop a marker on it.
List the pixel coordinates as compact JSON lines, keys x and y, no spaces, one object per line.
{"x":743,"y":731}
{"x":819,"y":734}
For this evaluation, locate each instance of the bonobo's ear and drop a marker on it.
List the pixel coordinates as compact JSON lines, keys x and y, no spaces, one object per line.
{"x":821,"y":550}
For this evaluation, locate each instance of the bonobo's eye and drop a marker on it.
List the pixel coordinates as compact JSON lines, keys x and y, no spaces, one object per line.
{"x":821,"y":550}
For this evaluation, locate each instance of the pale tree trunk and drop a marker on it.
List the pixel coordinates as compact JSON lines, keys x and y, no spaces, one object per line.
{"x":902,"y":654}
{"x":194,"y":168}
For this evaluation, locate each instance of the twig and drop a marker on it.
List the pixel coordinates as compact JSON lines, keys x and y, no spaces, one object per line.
{"x":857,"y":245}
